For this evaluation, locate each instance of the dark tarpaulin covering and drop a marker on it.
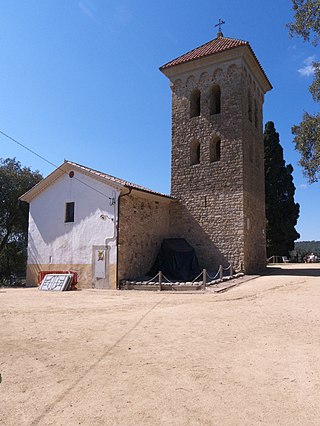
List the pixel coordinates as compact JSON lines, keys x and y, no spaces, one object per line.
{"x":177,"y":260}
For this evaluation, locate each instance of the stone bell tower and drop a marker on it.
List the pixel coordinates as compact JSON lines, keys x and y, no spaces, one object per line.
{"x":217,"y":169}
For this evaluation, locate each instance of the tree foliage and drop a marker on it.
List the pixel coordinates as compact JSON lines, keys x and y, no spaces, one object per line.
{"x":281,"y":211}
{"x":307,"y":142}
{"x":304,"y":248}
{"x":15,"y":180}
{"x":306,"y":20}
{"x":306,"y":24}
{"x":315,"y":85}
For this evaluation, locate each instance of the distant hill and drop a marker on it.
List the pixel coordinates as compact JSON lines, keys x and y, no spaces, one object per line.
{"x":303,"y":248}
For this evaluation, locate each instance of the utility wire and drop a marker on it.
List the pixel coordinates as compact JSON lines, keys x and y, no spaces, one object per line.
{"x":54,"y":165}
{"x":28,"y":149}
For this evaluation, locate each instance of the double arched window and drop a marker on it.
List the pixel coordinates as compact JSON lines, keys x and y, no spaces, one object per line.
{"x":214,"y":101}
{"x":214,"y":150}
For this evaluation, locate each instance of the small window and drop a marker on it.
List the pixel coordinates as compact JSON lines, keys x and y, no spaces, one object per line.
{"x":194,"y":152}
{"x":215,"y":100}
{"x":195,"y":103}
{"x":215,"y":150}
{"x":69,"y":213}
{"x":249,"y":105}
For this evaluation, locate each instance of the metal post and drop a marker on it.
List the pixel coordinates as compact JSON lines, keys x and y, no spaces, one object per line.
{"x":231,"y":270}
{"x":204,"y":279}
{"x":220,"y":272}
{"x":160,"y":281}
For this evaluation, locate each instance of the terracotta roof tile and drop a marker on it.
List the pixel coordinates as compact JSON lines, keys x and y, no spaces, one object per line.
{"x":116,"y":180}
{"x":219,"y":44}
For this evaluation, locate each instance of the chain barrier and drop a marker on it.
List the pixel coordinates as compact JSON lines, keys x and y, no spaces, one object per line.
{"x":197,"y":277}
{"x":213,"y":278}
{"x":167,"y":279}
{"x":156,"y":278}
{"x":152,"y":279}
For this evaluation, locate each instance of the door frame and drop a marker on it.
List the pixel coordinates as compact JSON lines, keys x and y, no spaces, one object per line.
{"x":103,"y":282}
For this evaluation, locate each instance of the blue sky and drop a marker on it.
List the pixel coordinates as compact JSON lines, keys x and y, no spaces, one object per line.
{"x":80,"y":81}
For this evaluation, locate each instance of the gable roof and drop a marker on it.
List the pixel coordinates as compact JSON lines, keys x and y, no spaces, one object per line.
{"x":212,"y":47}
{"x":118,"y":181}
{"x":217,"y":45}
{"x":68,"y":166}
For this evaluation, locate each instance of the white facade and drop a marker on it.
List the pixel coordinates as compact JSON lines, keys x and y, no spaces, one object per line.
{"x":88,"y":243}
{"x":84,"y":239}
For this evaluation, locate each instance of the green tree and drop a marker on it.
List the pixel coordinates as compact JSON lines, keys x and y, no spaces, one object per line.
{"x":281,"y":211}
{"x":307,"y":142}
{"x":15,"y":180}
{"x":306,"y":24}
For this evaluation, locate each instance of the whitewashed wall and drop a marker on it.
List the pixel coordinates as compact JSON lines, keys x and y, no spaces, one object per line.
{"x":51,"y":240}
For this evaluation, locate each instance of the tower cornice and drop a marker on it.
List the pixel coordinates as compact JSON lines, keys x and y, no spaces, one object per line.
{"x":214,"y":52}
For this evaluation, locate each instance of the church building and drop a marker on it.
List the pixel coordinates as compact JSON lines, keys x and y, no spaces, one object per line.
{"x":107,"y":229}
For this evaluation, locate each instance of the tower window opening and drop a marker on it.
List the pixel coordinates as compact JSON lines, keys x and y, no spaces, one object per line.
{"x":255,"y":114}
{"x":215,"y":150}
{"x":195,"y":103}
{"x":249,"y":105}
{"x":251,"y":153}
{"x":194,"y":153}
{"x":215,"y":100}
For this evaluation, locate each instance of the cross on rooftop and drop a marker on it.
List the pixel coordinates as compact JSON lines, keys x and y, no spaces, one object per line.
{"x":221,"y":22}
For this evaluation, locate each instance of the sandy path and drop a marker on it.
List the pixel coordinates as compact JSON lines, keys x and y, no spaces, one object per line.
{"x":246,"y":357}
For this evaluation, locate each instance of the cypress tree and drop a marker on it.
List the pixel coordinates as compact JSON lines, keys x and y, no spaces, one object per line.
{"x":281,"y":211}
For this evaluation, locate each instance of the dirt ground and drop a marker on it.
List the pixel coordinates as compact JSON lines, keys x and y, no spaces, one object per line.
{"x":245,"y":357}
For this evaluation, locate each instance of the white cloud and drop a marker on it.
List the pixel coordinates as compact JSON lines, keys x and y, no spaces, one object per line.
{"x":303,"y":186}
{"x":86,"y":9}
{"x":309,"y":60}
{"x":308,"y":69}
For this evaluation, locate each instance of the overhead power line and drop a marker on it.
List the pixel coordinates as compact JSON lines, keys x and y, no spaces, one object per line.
{"x":28,"y":149}
{"x":52,"y":164}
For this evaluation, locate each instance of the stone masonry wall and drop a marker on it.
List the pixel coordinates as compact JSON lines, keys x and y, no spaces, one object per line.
{"x":254,"y":191}
{"x":210,"y":215}
{"x":221,"y":210}
{"x":143,"y":224}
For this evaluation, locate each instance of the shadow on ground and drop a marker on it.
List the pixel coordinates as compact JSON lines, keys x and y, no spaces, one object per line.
{"x":300,"y":272}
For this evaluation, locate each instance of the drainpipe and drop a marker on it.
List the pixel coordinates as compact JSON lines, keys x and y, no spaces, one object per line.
{"x":114,"y":204}
{"x":117,"y":227}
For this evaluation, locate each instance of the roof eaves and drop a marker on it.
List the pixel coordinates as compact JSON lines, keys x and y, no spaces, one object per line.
{"x":42,"y":185}
{"x":260,"y":66}
{"x":167,"y":64}
{"x":200,"y":57}
{"x":241,"y":43}
{"x":149,"y":191}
